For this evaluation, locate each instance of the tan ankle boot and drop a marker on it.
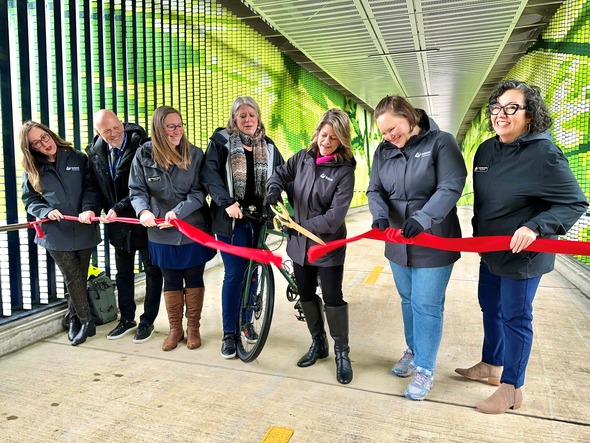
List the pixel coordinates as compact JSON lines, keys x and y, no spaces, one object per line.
{"x":481,"y":371}
{"x":506,"y":397}
{"x":175,"y":307}
{"x":194,"y":307}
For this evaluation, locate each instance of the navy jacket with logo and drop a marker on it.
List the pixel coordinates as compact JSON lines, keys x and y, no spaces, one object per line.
{"x":423,"y":180}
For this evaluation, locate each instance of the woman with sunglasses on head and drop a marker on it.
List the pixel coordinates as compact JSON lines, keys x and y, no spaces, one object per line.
{"x":523,"y":187}
{"x":165,"y":183}
{"x":57,"y":182}
{"x":418,"y":175}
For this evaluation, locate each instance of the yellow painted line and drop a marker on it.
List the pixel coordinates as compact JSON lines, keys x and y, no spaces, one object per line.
{"x":276,"y":434}
{"x":373,"y":275}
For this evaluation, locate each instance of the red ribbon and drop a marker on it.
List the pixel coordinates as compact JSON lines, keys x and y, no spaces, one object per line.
{"x":258,"y":255}
{"x":468,"y":244}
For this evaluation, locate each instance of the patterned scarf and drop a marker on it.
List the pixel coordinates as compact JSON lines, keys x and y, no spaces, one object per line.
{"x":238,"y":163}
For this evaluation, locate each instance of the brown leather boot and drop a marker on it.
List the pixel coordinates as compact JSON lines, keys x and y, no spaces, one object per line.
{"x":506,"y":397}
{"x":174,"y":307}
{"x":194,"y":306}
{"x":481,"y":371}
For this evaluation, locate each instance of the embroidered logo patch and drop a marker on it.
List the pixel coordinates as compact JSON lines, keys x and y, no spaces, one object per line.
{"x":422,"y":154}
{"x":325,"y":177}
{"x":154,"y":179}
{"x":72,"y":168}
{"x":481,"y":169}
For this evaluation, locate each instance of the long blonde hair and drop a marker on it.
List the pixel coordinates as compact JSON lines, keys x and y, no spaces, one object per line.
{"x":340,"y":122}
{"x":163,"y":152}
{"x":30,"y":161}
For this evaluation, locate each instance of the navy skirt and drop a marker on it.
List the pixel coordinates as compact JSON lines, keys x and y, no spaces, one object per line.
{"x":179,"y":257}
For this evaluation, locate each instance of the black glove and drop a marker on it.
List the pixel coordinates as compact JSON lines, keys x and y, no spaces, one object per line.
{"x":411,"y":228}
{"x":273,"y":195}
{"x":290,"y":231}
{"x":381,"y":223}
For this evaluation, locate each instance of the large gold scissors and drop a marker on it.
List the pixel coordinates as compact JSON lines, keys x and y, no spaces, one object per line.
{"x":284,"y":219}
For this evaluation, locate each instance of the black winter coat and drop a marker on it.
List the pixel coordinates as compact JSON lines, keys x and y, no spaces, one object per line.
{"x":524,"y":183}
{"x":217,"y":177}
{"x":321,"y":198}
{"x":67,"y":186}
{"x":115,"y":193}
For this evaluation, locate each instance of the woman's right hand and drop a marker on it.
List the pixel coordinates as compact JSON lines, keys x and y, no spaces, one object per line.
{"x":147,"y":219}
{"x":54,"y":214}
{"x":234,"y":211}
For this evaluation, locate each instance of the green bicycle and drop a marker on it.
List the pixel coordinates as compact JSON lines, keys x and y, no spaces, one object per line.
{"x":258,"y":294}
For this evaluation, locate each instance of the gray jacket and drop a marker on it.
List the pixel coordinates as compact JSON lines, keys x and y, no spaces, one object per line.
{"x":67,"y":186}
{"x":321,"y":198}
{"x":423,"y":180}
{"x":153,"y":188}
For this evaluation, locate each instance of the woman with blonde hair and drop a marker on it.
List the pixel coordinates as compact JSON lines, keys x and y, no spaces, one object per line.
{"x":323,"y":185}
{"x":165,"y":183}
{"x":57,"y":183}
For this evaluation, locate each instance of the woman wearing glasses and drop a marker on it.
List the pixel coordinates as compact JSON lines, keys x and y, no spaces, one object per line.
{"x":523,"y":187}
{"x":417,"y":177}
{"x":57,"y":183}
{"x":238,"y":161}
{"x":165,"y":183}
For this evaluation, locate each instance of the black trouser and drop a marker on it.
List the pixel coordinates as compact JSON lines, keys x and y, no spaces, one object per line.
{"x":74,"y":268}
{"x":177,"y":279}
{"x":306,"y":278}
{"x":125,"y":281}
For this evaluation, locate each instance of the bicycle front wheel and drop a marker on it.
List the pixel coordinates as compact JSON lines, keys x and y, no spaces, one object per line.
{"x":258,"y":299}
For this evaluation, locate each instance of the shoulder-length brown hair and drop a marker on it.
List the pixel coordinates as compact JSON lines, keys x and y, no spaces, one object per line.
{"x":163,"y":152}
{"x":30,"y":161}
{"x":341,"y":125}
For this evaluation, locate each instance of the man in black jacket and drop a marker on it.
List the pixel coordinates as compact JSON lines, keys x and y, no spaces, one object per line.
{"x":110,"y":154}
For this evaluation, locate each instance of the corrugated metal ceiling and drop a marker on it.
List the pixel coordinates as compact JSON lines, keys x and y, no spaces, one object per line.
{"x":445,"y":56}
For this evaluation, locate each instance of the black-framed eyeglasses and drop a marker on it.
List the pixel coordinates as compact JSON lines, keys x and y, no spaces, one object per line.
{"x":42,"y":140}
{"x":173,"y":128}
{"x":509,"y":109}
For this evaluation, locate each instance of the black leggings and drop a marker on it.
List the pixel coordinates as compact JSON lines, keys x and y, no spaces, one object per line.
{"x":177,"y":279}
{"x":74,"y":267}
{"x":306,"y":278}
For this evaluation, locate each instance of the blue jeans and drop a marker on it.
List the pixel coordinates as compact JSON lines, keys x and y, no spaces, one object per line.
{"x":422,"y":291}
{"x":245,"y":234}
{"x":507,"y":307}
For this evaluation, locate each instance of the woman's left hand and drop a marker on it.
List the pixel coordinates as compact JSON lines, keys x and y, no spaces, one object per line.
{"x":522,"y":238}
{"x":84,"y":217}
{"x":170,"y":215}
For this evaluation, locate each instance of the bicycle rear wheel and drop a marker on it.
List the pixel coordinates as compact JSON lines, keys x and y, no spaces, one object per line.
{"x":256,"y":313}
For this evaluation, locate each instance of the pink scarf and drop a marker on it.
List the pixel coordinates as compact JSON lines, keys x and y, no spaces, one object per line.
{"x":326,"y":158}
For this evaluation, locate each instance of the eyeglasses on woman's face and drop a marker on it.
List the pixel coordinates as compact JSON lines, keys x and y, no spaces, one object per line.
{"x":45,"y":138}
{"x":173,"y":128}
{"x":509,"y":109}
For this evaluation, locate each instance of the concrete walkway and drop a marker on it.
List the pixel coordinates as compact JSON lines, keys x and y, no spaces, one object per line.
{"x":117,"y":391}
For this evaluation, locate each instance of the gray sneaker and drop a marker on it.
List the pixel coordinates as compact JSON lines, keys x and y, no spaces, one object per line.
{"x":405,"y":366}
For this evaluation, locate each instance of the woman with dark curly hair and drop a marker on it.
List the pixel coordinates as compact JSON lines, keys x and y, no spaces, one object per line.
{"x":523,"y":187}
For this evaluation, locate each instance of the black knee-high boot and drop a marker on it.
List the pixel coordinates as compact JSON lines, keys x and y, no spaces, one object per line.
{"x":315,"y":323}
{"x":337,"y":317}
